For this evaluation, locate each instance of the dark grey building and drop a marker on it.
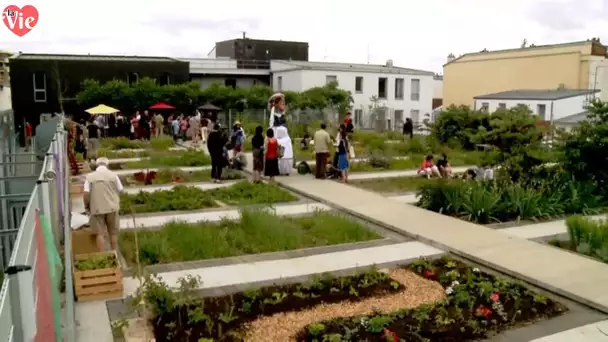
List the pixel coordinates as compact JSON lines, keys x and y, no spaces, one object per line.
{"x":257,"y":53}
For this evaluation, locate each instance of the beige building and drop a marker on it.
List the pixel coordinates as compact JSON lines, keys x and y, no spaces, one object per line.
{"x":578,"y":65}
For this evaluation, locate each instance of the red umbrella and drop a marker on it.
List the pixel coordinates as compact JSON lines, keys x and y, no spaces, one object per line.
{"x":161,"y":105}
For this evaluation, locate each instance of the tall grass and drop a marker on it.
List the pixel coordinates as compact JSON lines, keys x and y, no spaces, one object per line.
{"x":588,"y":236}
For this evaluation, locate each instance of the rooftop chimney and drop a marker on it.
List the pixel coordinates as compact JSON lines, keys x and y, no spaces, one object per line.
{"x":451,"y":57}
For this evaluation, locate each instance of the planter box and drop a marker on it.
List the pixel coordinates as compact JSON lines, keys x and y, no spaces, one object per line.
{"x":84,"y":241}
{"x":76,"y":189}
{"x":97,"y":284}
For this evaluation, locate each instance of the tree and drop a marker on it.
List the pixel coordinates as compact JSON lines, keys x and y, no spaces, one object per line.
{"x":456,"y":125}
{"x":585,"y":148}
{"x":187,"y":96}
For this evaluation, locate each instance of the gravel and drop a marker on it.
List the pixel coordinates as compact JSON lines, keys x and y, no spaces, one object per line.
{"x":285,"y":326}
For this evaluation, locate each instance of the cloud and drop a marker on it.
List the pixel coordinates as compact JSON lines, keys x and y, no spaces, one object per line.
{"x":568,"y":15}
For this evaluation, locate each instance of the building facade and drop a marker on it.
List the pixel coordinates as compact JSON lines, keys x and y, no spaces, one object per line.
{"x":5,"y":84}
{"x":226,"y":71}
{"x":577,"y":65}
{"x":552,"y":105}
{"x":246,"y":49}
{"x":40,"y":81}
{"x":384,"y":95}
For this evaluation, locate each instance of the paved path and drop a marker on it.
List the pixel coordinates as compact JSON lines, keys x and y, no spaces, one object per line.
{"x":295,"y":267}
{"x":155,"y":220}
{"x":200,"y":185}
{"x":396,"y":173}
{"x":182,"y":168}
{"x":567,"y":274}
{"x":595,"y":332}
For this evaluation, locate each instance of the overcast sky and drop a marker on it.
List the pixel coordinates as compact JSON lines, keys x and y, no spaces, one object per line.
{"x":416,"y":34}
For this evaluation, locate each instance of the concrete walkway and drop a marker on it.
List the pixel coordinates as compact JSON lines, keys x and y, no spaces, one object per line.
{"x":566,"y":274}
{"x":396,"y":173}
{"x":201,"y":185}
{"x":596,"y":332}
{"x":182,"y":168}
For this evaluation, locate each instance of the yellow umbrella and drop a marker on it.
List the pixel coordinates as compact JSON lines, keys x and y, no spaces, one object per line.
{"x":102,"y":109}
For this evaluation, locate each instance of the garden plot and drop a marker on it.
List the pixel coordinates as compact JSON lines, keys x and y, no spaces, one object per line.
{"x":159,"y":160}
{"x":188,"y":198}
{"x":428,"y":300}
{"x":255,"y":231}
{"x":173,"y":176}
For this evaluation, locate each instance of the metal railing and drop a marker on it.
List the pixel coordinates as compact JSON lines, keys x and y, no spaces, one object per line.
{"x":30,"y":306}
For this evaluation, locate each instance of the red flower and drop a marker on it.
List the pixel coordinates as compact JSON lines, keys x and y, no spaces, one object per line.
{"x":390,"y":335}
{"x":483,"y":311}
{"x":428,"y":274}
{"x":495,"y":297}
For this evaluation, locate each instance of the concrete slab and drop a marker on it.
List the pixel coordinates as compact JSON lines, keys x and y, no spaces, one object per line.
{"x":535,"y":263}
{"x":595,"y":332}
{"x":200,"y":185}
{"x":396,"y":173}
{"x":93,"y":322}
{"x":126,"y":222}
{"x":537,"y":230}
{"x":182,"y":168}
{"x":315,"y":264}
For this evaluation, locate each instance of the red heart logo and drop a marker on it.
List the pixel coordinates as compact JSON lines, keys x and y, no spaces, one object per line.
{"x":20,"y":20}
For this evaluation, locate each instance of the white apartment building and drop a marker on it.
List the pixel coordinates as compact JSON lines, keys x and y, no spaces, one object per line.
{"x":5,"y":85}
{"x":399,"y":93}
{"x":557,"y":106}
{"x":227,"y":72}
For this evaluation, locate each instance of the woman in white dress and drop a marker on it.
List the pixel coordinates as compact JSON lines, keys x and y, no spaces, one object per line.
{"x":286,"y":160}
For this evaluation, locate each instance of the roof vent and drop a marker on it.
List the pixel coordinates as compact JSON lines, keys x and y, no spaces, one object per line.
{"x":561,"y":86}
{"x":389,"y":63}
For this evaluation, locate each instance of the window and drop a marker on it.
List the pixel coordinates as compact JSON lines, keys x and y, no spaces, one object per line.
{"x":331,"y":79}
{"x":165,"y":79}
{"x":485,"y":107}
{"x":358,"y":117}
{"x":39,"y":79}
{"x":382,"y":85}
{"x":399,"y":89}
{"x":541,"y":109}
{"x":132,"y":78}
{"x":230,"y":82}
{"x":280,"y":83}
{"x":502,"y":105}
{"x":359,"y":84}
{"x":399,"y":117}
{"x":415,"y":91}
{"x":415,"y":116}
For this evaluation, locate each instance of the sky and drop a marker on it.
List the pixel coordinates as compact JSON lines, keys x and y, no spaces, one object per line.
{"x":414,"y":34}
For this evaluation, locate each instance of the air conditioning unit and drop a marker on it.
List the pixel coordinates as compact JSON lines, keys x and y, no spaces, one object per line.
{"x":389,"y":63}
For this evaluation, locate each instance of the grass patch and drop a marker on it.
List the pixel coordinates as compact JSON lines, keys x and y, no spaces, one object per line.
{"x":244,"y":193}
{"x":176,"y":158}
{"x":178,"y":198}
{"x":392,"y":184}
{"x":256,"y":232}
{"x":169,"y":176}
{"x":383,"y":163}
{"x":113,"y":154}
{"x":155,"y":143}
{"x":183,"y":197}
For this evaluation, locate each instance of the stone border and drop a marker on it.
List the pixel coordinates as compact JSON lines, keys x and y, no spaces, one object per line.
{"x":548,"y":287}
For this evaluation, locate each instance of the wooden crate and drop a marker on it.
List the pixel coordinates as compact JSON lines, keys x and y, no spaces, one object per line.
{"x":76,"y":189}
{"x":84,"y":241}
{"x":97,"y":284}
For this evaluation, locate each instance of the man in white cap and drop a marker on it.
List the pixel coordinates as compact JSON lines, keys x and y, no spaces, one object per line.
{"x":102,"y":201}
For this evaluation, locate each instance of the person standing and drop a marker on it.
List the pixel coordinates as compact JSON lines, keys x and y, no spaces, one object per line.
{"x":271,"y":165}
{"x":28,"y":135}
{"x":204,"y":129}
{"x":215,"y":146}
{"x":343,"y":150}
{"x":286,"y":156}
{"x":348,"y":124}
{"x":257,"y":146}
{"x":102,"y":201}
{"x":195,"y":129}
{"x":93,"y":134}
{"x":408,"y":128}
{"x":175,"y":127}
{"x":322,"y":143}
{"x":159,"y":125}
{"x":144,"y":123}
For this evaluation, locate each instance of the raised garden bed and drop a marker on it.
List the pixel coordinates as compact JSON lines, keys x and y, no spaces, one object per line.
{"x":182,"y":197}
{"x":174,"y":176}
{"x":392,"y":184}
{"x":175,"y":158}
{"x":97,"y":276}
{"x":256,"y":232}
{"x":587,"y":237}
{"x":441,"y":300}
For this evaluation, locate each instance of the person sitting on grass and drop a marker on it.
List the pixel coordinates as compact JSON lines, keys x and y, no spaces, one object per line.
{"x":445,"y":169}
{"x":428,"y":169}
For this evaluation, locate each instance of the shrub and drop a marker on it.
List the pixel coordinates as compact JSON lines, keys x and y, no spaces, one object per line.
{"x":588,"y":237}
{"x":457,"y":125}
{"x":248,"y":193}
{"x":178,"y":198}
{"x":159,"y":143}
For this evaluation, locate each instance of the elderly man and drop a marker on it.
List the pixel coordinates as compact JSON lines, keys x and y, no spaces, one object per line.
{"x":101,"y":199}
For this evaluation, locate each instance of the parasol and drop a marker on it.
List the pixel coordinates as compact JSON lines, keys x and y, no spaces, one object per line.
{"x":102,"y":109}
{"x":161,"y":105}
{"x":209,"y":108}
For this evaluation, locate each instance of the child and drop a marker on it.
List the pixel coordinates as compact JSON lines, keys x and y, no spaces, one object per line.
{"x":427,"y":168}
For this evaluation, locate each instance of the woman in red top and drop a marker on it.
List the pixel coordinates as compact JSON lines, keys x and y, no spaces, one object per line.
{"x":271,"y":148}
{"x":28,"y":136}
{"x":428,"y":169}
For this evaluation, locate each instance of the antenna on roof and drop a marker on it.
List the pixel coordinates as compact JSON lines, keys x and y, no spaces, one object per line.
{"x":325,"y":57}
{"x":367,"y":53}
{"x":244,"y":35}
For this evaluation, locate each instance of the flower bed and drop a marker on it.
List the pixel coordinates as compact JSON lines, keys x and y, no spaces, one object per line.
{"x":393,"y":184}
{"x":256,"y":232}
{"x":112,"y":154}
{"x":586,"y":236}
{"x":478,"y":305}
{"x":441,"y":300}
{"x":168,"y":176}
{"x":175,"y":158}
{"x":489,"y":202}
{"x":383,"y":162}
{"x":183,"y":197}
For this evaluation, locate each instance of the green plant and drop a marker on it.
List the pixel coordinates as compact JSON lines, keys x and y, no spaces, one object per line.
{"x":96,"y":261}
{"x":246,"y":192}
{"x":178,"y":198}
{"x":588,"y":236}
{"x":175,"y":158}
